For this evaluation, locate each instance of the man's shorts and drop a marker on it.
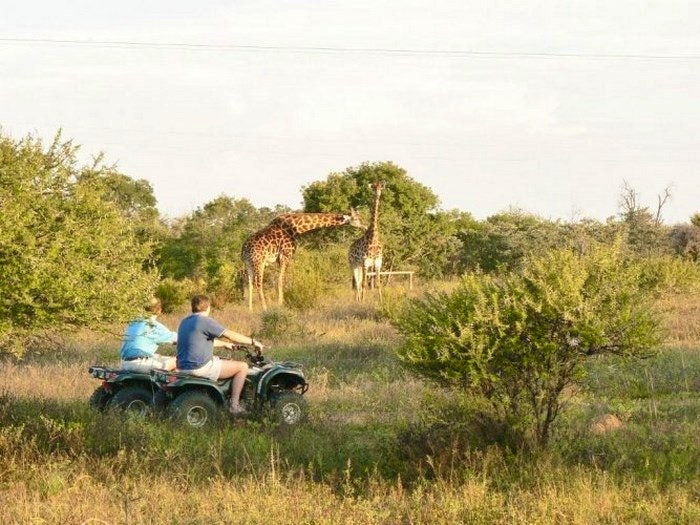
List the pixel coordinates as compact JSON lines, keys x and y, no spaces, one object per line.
{"x":144,"y":364}
{"x":211,"y":370}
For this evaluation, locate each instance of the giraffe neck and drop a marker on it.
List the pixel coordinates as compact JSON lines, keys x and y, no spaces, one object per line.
{"x":298,"y":223}
{"x":372,"y":234}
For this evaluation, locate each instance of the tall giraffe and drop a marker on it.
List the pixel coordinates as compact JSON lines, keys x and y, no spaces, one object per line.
{"x":365,"y":254}
{"x":277,"y":242}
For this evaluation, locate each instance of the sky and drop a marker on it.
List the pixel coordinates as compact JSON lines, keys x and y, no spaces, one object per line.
{"x":548,"y":106}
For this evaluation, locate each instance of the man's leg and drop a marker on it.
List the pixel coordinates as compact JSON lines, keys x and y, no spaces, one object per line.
{"x":238,"y":371}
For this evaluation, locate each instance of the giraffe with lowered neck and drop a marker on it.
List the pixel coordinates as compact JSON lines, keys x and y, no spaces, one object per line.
{"x":277,"y":242}
{"x":365,"y":253}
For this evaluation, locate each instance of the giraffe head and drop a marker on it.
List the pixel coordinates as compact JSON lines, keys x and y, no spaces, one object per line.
{"x":377,"y":186}
{"x":354,"y":219}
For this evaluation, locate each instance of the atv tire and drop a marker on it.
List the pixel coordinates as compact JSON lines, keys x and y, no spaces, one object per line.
{"x":99,"y":399}
{"x":289,"y":409}
{"x":136,"y":400}
{"x":195,"y":409}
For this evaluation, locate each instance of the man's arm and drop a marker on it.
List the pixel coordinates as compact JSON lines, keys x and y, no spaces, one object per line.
{"x":235,"y":337}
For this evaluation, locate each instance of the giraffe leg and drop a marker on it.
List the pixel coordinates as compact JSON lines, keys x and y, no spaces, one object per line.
{"x":250,"y":290}
{"x":357,"y":279}
{"x":365,"y":283}
{"x":284,"y":263}
{"x":377,"y":271}
{"x":258,"y":285}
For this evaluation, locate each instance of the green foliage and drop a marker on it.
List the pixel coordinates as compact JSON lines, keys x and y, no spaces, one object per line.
{"x":280,"y":324}
{"x":173,"y":293}
{"x":414,"y":232}
{"x":520,"y":339}
{"x":133,"y":198}
{"x":69,"y":257}
{"x":668,"y":274}
{"x":685,"y":240}
{"x":314,"y":273}
{"x":206,"y":246}
{"x":504,"y":239}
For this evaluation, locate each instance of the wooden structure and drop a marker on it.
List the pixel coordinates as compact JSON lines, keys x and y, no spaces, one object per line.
{"x":397,"y":272}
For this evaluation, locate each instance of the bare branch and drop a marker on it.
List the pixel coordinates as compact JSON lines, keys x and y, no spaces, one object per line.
{"x":661,"y":201}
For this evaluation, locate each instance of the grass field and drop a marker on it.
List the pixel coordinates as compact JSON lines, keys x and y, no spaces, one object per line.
{"x":381,"y":446}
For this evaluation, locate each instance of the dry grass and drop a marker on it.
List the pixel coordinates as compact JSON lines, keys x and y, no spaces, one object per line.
{"x":70,"y":495}
{"x":342,"y":469}
{"x":681,"y":320}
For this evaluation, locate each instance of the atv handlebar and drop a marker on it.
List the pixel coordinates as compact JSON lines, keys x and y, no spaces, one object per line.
{"x":253,"y":353}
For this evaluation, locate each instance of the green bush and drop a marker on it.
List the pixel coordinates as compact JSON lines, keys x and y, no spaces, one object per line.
{"x":280,"y":324}
{"x":70,"y":257}
{"x":173,"y":293}
{"x":224,"y":285}
{"x":670,"y":274}
{"x":310,"y":278}
{"x":520,"y":339}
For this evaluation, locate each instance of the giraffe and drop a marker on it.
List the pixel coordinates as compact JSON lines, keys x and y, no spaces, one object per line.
{"x":365,"y":253}
{"x":277,"y":242}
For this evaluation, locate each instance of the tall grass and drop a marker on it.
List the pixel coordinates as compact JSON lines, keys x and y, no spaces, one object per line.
{"x":380,"y":447}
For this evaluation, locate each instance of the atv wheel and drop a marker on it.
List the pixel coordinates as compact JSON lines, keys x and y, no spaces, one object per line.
{"x":195,"y":409}
{"x":99,"y":399}
{"x":133,"y":399}
{"x":289,"y":409}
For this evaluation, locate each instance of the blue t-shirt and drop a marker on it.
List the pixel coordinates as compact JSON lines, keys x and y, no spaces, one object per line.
{"x":195,"y":341}
{"x":142,"y":337}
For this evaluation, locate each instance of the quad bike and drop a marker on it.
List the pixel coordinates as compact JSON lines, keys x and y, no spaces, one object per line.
{"x":122,"y":389}
{"x":272,"y":389}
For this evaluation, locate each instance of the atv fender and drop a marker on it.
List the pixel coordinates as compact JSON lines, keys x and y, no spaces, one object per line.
{"x":291,"y":378}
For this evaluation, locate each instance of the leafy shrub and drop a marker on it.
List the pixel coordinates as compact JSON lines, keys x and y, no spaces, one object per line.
{"x":520,"y":339}
{"x":669,"y":274}
{"x":309,"y":279}
{"x":280,"y":324}
{"x":173,"y":293}
{"x":70,"y":258}
{"x":224,"y":285}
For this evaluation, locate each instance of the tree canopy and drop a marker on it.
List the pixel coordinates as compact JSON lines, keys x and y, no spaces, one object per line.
{"x":69,"y":257}
{"x":412,"y":226}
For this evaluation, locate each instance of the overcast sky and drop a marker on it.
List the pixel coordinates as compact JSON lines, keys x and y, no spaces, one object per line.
{"x":544,"y":105}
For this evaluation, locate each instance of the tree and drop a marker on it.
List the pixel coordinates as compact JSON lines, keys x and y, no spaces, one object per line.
{"x":133,"y":198}
{"x":520,"y":339}
{"x":685,"y":240}
{"x":68,"y":257}
{"x":206,"y":246}
{"x":414,"y":231}
{"x":504,"y":239}
{"x":646,"y":234}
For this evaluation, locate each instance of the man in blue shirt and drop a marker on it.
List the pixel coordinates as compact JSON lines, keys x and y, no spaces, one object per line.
{"x":197,"y":336}
{"x":141,"y":339}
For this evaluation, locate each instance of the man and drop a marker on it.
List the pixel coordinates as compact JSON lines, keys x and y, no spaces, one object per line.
{"x":197,"y":336}
{"x":141,"y":339}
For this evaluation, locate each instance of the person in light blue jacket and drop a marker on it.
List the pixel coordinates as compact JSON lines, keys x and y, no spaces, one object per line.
{"x":142,"y":337}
